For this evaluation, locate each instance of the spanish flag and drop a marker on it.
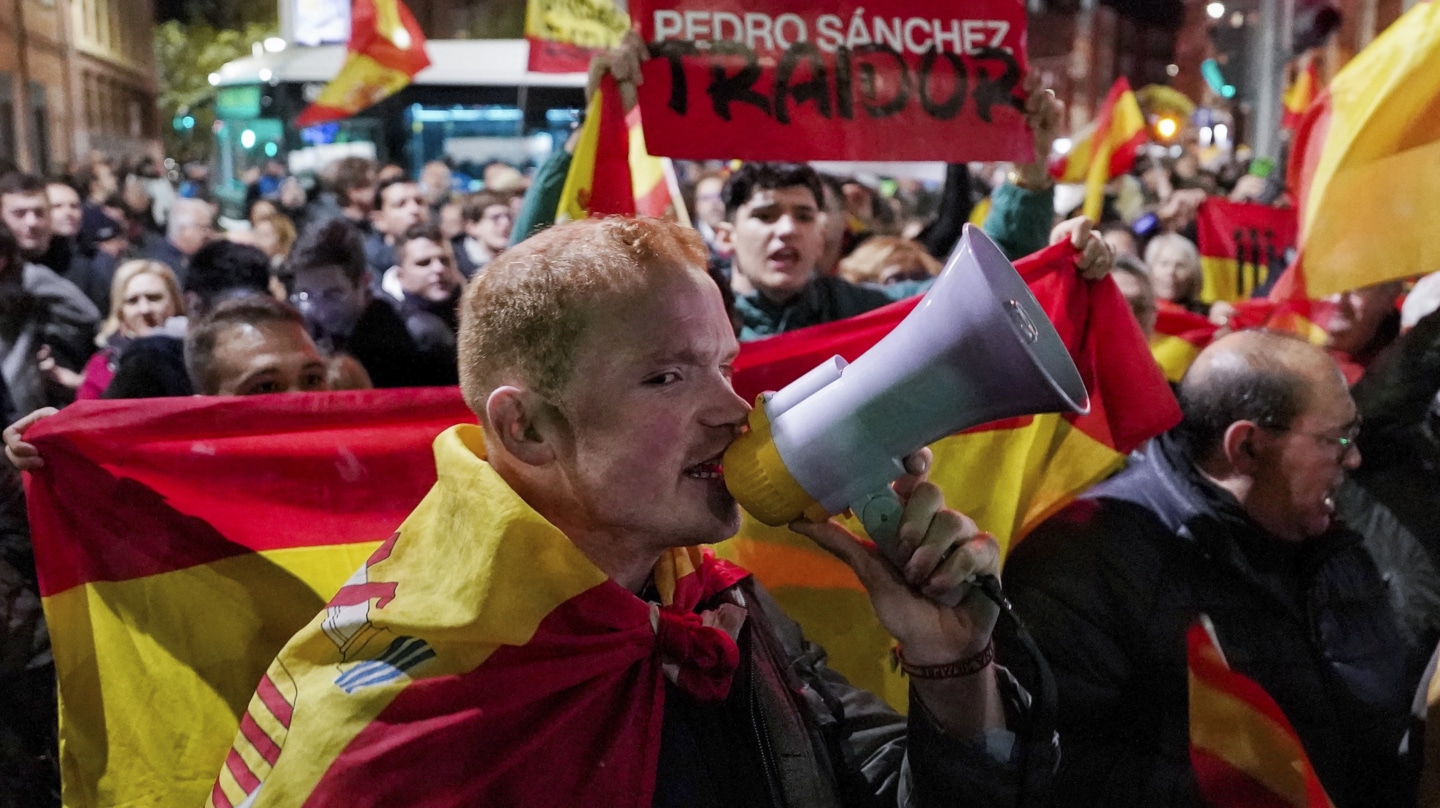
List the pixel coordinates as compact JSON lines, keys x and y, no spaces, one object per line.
{"x":653,"y":180}
{"x":1008,"y":476}
{"x":1244,"y":751}
{"x":1300,"y":94}
{"x":1243,"y":247}
{"x":1106,"y":149}
{"x":481,"y":651}
{"x":1364,"y":162}
{"x":181,"y":542}
{"x":600,"y":182}
{"x":1180,"y":336}
{"x":386,"y":50}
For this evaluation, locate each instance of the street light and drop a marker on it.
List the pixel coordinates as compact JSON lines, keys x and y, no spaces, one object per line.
{"x":1215,"y":10}
{"x":274,"y":44}
{"x":1166,"y":128}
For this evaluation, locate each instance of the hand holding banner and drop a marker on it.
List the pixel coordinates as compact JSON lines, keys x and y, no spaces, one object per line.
{"x":797,"y":80}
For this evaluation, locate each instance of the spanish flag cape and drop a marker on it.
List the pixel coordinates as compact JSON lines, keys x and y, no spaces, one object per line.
{"x":477,"y":658}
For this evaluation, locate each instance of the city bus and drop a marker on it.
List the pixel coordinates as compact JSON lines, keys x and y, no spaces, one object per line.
{"x":475,"y":104}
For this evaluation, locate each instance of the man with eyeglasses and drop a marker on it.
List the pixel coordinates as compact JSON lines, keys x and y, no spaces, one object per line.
{"x":332,"y":291}
{"x":1232,"y":515}
{"x":430,"y":286}
{"x":488,"y":222}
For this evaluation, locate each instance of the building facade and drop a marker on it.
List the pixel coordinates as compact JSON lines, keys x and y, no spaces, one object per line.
{"x":76,"y":76}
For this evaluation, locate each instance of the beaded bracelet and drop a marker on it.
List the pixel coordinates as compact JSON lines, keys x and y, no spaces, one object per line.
{"x":951,"y":670}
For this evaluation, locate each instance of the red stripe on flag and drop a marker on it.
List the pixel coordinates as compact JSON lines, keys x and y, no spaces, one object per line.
{"x":190,"y":493}
{"x":274,"y":701}
{"x":1123,"y":158}
{"x":237,"y":766}
{"x":1226,"y":785}
{"x":264,"y":744}
{"x":217,"y":796}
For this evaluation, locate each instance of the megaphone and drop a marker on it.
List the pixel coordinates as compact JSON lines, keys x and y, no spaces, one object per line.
{"x":977,"y":348}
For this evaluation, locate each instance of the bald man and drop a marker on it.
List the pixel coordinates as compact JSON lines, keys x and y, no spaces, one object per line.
{"x":1231,"y":514}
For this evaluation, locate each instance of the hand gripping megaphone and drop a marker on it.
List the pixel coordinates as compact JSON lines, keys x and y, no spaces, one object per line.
{"x":977,"y":348}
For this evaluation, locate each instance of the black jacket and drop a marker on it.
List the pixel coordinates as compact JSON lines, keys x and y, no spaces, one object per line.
{"x":825,"y":742}
{"x":433,"y":327}
{"x":1392,"y":498}
{"x":382,"y":344}
{"x":1109,"y":586}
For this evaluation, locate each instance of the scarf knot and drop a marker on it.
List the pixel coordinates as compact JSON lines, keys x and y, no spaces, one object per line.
{"x":698,"y":652}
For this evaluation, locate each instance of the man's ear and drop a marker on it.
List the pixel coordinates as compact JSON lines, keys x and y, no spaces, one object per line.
{"x":725,"y":236}
{"x":526,"y":424}
{"x":1241,"y":444}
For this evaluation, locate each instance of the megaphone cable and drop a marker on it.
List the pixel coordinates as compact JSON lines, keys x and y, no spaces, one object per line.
{"x":1042,"y":753}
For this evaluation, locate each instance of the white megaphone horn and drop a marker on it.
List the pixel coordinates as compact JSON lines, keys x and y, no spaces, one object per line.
{"x":977,"y":348}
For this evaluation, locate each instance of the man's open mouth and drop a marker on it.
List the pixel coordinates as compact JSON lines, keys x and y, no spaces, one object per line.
{"x":708,"y":470}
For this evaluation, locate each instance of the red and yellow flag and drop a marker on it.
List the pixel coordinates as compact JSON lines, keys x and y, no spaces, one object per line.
{"x":656,"y":189}
{"x":1244,"y":751}
{"x":386,"y":50}
{"x":600,"y":182}
{"x":1008,"y":476}
{"x":564,"y":34}
{"x":1364,"y":162}
{"x":1241,"y":244}
{"x":1106,"y":149}
{"x":211,"y":531}
{"x":1180,"y":336}
{"x":1300,"y":94}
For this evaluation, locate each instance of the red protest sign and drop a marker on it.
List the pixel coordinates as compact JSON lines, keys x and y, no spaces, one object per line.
{"x":808,"y":80}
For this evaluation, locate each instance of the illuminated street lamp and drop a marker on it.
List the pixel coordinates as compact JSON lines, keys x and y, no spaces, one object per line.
{"x":1215,"y":10}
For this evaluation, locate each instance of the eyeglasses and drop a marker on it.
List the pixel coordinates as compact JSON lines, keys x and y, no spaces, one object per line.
{"x":1344,"y":443}
{"x":303,"y":300}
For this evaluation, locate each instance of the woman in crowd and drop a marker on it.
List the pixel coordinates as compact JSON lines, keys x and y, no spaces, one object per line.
{"x":888,"y":259}
{"x":143,"y":295}
{"x":1175,"y":271}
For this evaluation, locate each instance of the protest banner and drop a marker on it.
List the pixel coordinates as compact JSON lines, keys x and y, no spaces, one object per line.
{"x":564,"y":34}
{"x":797,"y":80}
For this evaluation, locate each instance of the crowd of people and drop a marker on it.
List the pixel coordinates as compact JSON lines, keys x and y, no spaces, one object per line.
{"x":1318,"y":573}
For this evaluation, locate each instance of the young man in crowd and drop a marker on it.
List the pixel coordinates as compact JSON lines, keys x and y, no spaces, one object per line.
{"x":332,"y":291}
{"x":253,"y":345}
{"x":430,"y":289}
{"x":25,"y":209}
{"x":597,"y":357}
{"x":486,"y":231}
{"x":399,"y":206}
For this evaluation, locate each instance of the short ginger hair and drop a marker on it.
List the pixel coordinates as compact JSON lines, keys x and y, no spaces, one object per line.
{"x":521,"y":320}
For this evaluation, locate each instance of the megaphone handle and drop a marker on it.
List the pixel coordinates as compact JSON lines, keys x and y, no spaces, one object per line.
{"x":880,"y":512}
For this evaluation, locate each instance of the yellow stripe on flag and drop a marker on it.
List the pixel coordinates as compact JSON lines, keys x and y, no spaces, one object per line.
{"x":580,"y":181}
{"x":1372,"y":200}
{"x":145,"y":661}
{"x":1174,"y":355}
